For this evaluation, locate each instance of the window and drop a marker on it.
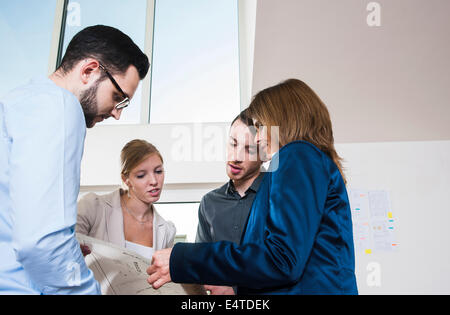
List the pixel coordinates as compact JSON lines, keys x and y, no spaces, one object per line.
{"x":195,"y":74}
{"x":195,"y":55}
{"x":26,"y":29}
{"x":183,"y":215}
{"x":127,"y":16}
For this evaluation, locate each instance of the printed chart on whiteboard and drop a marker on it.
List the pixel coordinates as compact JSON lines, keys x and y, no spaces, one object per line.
{"x":373,"y":221}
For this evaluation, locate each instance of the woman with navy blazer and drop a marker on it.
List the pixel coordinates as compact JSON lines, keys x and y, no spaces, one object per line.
{"x":299,"y":237}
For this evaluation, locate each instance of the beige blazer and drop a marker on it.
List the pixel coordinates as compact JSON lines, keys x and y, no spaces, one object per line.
{"x":101,"y":217}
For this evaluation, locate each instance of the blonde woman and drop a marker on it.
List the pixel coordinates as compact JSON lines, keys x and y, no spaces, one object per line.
{"x":299,"y":237}
{"x":128,"y":218}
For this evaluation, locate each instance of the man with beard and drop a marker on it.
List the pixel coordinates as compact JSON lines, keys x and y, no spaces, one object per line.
{"x":223,"y":212}
{"x":43,"y":127}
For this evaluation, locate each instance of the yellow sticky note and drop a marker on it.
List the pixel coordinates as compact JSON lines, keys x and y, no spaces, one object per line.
{"x":390,"y":216}
{"x":368,"y":251}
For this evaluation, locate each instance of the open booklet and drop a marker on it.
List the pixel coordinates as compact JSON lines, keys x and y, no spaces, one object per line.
{"x":123,"y":272}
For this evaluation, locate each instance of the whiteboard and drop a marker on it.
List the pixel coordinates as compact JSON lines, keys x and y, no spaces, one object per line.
{"x":417,"y":177}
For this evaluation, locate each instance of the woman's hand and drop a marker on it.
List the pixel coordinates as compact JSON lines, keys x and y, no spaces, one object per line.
{"x":159,"y":271}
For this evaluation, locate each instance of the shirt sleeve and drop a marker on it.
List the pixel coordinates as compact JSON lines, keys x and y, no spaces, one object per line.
{"x":275,"y":251}
{"x":204,"y":228}
{"x":47,"y":144}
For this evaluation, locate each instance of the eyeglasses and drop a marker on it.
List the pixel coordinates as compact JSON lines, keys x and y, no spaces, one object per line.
{"x":126,"y":100}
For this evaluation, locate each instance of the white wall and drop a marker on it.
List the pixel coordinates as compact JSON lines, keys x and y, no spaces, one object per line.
{"x":386,"y":83}
{"x":417,"y":176}
{"x":192,"y":153}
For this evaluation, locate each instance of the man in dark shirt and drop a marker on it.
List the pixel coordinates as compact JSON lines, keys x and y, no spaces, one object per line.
{"x":223,"y":212}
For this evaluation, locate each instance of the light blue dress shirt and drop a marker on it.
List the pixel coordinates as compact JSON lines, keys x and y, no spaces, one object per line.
{"x":42,"y":132}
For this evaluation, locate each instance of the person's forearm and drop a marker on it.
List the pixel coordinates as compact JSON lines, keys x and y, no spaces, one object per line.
{"x":227,"y":264}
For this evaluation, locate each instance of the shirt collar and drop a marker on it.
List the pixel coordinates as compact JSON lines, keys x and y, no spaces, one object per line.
{"x":257,"y":182}
{"x":272,"y":164}
{"x":230,"y":188}
{"x":253,"y":187}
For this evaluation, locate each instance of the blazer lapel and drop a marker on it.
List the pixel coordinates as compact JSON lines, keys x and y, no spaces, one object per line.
{"x":159,"y":231}
{"x":114,"y":219}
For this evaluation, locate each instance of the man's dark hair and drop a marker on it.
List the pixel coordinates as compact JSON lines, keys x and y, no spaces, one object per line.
{"x":112,"y":48}
{"x":245,"y":118}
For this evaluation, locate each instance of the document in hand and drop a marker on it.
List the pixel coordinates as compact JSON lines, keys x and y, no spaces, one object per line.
{"x":123,"y":272}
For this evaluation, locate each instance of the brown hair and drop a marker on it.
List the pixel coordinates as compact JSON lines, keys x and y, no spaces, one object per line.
{"x":134,"y":153}
{"x":244,"y":118}
{"x":300,"y":115}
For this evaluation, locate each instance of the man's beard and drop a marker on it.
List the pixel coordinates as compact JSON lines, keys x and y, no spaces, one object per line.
{"x":88,"y":101}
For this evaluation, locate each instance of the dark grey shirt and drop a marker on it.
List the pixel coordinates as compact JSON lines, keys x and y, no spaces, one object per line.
{"x":223,"y":213}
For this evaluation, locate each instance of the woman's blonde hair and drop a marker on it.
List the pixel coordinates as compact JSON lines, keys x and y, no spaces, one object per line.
{"x":134,"y":153}
{"x":300,"y":115}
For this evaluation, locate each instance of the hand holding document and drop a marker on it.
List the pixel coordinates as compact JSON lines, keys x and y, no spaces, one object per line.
{"x":122,"y":272}
{"x":159,"y":271}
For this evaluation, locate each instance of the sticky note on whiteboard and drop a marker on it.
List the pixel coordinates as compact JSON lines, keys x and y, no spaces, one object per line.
{"x":390,"y":216}
{"x":368,"y":251}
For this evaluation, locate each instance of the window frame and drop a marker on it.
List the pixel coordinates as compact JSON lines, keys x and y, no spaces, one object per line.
{"x":93,"y":180}
{"x":58,"y":40}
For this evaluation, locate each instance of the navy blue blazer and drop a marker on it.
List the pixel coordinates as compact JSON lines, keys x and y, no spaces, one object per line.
{"x":298,"y":240}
